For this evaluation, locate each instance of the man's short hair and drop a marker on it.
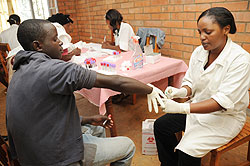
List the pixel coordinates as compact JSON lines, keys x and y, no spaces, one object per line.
{"x":60,"y":18}
{"x":14,"y":19}
{"x":29,"y":31}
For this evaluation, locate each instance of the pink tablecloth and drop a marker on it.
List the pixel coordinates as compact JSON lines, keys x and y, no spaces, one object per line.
{"x":157,"y":74}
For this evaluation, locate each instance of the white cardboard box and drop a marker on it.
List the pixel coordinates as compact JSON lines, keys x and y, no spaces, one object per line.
{"x":148,"y":139}
{"x":153,"y":58}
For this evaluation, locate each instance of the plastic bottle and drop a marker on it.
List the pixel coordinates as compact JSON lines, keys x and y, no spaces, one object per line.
{"x":137,"y":57}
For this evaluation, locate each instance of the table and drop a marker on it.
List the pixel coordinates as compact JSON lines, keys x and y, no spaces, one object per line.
{"x":157,"y":74}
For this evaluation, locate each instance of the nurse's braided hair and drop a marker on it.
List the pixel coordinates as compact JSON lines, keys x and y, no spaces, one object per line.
{"x":222,"y":16}
{"x":29,"y":31}
{"x":114,"y":16}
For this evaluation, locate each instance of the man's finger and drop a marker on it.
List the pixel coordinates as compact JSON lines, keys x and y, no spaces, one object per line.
{"x":155,"y":105}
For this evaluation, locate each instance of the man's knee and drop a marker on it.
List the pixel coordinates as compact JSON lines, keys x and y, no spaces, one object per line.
{"x":126,"y":143}
{"x":129,"y":142}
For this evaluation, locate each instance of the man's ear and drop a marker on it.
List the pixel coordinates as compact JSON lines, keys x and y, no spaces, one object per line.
{"x":36,"y":45}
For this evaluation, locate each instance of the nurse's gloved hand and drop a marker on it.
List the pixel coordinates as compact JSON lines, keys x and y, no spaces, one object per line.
{"x":173,"y":107}
{"x":153,"y":97}
{"x":172,"y":92}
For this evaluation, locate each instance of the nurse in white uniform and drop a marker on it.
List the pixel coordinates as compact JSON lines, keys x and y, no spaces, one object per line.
{"x":122,"y":32}
{"x":217,"y":84}
{"x":63,"y":24}
{"x":10,"y":35}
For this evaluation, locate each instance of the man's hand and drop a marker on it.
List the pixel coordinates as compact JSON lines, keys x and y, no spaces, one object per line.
{"x":106,"y":44}
{"x":173,"y":107}
{"x":101,"y":120}
{"x":172,"y":92}
{"x":153,"y":97}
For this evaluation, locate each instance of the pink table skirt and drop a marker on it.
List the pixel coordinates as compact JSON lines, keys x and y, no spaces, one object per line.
{"x":157,"y":74}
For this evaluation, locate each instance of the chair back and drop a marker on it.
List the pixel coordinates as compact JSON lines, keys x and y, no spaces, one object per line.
{"x":4,"y":159}
{"x":152,"y":40}
{"x":5,"y":156}
{"x":4,"y":50}
{"x":154,"y":36}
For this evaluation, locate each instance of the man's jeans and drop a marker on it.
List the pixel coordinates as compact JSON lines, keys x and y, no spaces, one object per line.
{"x":116,"y":150}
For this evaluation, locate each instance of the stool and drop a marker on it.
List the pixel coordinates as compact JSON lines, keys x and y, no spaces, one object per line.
{"x":4,"y":50}
{"x":241,"y":138}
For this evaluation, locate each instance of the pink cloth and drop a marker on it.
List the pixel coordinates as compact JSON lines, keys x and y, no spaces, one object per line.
{"x":157,"y":74}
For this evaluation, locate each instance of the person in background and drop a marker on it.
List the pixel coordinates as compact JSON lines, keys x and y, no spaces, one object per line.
{"x":217,"y":84}
{"x":10,"y":35}
{"x":63,"y":24}
{"x":43,"y":123}
{"x":122,"y":32}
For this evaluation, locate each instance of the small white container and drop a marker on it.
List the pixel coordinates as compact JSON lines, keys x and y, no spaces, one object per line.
{"x":153,"y":58}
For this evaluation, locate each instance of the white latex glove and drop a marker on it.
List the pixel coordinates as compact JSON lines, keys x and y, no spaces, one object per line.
{"x":172,"y":92}
{"x":174,"y":107}
{"x":153,"y":97}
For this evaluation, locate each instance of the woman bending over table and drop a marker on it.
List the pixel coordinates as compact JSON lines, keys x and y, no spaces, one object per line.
{"x":122,"y":32}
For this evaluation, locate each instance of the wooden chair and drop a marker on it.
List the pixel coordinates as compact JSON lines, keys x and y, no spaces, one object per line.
{"x":4,"y":49}
{"x":5,"y":156}
{"x":156,"y":48}
{"x":241,"y":138}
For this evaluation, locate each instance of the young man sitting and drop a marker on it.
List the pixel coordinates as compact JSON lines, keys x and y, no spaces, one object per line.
{"x":43,"y":123}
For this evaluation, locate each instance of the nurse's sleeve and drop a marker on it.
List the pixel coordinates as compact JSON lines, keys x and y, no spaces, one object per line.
{"x":234,"y":86}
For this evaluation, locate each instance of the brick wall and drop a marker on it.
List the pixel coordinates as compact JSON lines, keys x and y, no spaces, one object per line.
{"x":177,"y":18}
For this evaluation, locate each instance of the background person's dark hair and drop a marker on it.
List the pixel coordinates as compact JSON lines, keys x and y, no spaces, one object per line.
{"x":114,"y":16}
{"x":14,"y":19}
{"x":61,"y":18}
{"x":222,"y":16}
{"x":29,"y":31}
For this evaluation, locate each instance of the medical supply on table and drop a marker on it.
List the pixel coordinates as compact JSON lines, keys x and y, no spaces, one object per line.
{"x":112,"y":58}
{"x":117,"y":54}
{"x":90,"y":63}
{"x":137,"y":57}
{"x":153,"y":58}
{"x":150,"y":56}
{"x":108,"y":67}
{"x":126,"y":65}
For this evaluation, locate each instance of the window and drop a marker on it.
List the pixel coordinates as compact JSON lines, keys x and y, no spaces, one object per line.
{"x":39,"y":9}
{"x":26,"y":9}
{"x":4,"y":15}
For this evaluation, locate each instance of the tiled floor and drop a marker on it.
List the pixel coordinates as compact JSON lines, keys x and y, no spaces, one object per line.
{"x":129,"y":119}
